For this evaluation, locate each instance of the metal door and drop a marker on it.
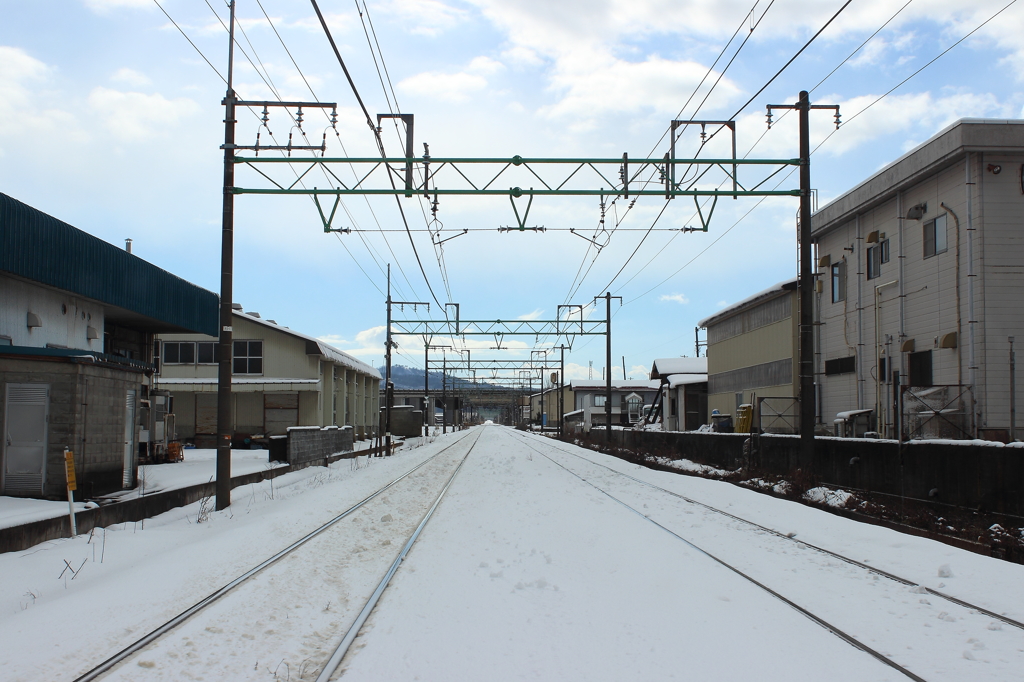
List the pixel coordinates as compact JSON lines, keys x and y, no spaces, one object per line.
{"x":128,"y":479}
{"x":25,"y":421}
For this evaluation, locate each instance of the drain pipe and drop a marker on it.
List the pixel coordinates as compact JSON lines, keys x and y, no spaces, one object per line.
{"x":860,"y":321}
{"x":901,"y":220}
{"x":879,"y":420}
{"x":972,"y":322}
{"x":959,"y":320}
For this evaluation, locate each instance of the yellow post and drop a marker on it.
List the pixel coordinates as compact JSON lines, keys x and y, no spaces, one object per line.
{"x":69,"y":469}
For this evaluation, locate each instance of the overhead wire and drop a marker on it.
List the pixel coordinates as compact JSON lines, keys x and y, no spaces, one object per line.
{"x":380,"y":145}
{"x":832,"y":133}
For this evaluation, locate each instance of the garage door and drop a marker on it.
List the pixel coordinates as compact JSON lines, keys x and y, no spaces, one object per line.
{"x":280,"y":410}
{"x":206,"y":414}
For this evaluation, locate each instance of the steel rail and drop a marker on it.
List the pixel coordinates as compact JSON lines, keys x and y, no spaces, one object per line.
{"x":152,"y":636}
{"x":834,"y":555}
{"x":849,"y":639}
{"x":357,"y":625}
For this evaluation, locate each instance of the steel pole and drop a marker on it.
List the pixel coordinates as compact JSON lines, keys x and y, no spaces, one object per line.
{"x":806,"y":291}
{"x":427,"y":406}
{"x":444,"y":393}
{"x":224,"y":426}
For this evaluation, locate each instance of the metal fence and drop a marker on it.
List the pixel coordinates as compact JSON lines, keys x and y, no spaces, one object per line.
{"x":937,"y":412}
{"x":778,"y":415}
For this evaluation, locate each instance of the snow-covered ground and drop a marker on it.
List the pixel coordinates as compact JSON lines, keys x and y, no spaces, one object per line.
{"x":526,"y":571}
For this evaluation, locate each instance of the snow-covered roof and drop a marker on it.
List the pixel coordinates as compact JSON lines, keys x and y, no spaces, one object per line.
{"x":750,"y":301}
{"x":665,"y":366}
{"x":676,"y":380}
{"x":617,"y":385}
{"x":328,"y":351}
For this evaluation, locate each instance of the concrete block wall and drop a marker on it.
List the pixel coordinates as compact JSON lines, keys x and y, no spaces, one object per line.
{"x":309,"y":445}
{"x":86,"y":415}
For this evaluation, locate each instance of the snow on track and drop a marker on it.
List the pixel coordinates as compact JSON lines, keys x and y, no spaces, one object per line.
{"x":527,"y":573}
{"x":931,"y":637}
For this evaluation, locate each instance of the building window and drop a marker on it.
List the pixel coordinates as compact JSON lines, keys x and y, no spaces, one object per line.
{"x":935,"y":236}
{"x":841,"y":365}
{"x":839,"y":281}
{"x":208,"y":352}
{"x":248,"y":357}
{"x":179,"y":352}
{"x":599,"y":400}
{"x":883,"y":251}
{"x":874,"y":261}
{"x":920,"y":368}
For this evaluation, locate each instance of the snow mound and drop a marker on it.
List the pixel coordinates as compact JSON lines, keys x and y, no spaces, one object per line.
{"x":833,"y":498}
{"x":693,"y":467}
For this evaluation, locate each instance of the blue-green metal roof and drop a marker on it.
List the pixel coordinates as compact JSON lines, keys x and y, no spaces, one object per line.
{"x":38,"y":247}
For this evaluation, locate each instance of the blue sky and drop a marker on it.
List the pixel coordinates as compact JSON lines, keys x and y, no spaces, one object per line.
{"x":110,"y":120}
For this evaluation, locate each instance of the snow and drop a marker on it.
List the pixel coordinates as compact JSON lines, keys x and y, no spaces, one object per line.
{"x":833,"y":498}
{"x":526,"y":571}
{"x":667,"y":366}
{"x":676,"y":380}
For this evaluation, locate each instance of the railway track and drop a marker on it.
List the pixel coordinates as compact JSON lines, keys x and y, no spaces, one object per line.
{"x":747,"y":573}
{"x":157,"y":635}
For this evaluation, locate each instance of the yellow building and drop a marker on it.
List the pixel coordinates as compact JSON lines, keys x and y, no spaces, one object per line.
{"x":753,"y":357}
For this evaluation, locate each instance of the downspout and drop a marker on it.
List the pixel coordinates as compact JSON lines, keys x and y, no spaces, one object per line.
{"x":959,"y":344}
{"x":972,"y":364}
{"x":903,"y":298}
{"x":860,"y":322}
{"x":879,"y":419}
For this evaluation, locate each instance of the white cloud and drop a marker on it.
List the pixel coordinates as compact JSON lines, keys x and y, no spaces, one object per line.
{"x":135,"y":116}
{"x":639,"y":372}
{"x":678,"y":298}
{"x":130,"y":77}
{"x":452,"y":87}
{"x":19,"y":73}
{"x":599,"y":84}
{"x":104,"y":6}
{"x":535,"y":315}
{"x":427,"y":17}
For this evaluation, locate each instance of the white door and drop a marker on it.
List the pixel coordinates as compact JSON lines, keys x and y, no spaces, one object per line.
{"x":129,"y":440}
{"x":25,"y":422}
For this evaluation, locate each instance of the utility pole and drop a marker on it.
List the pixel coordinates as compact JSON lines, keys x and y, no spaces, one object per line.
{"x":225,"y":346}
{"x":608,"y":359}
{"x":426,"y":364}
{"x":427,"y":407}
{"x":1013,"y":393}
{"x":389,"y":386}
{"x":444,"y":393}
{"x":227,"y":245}
{"x":561,"y":392}
{"x":806,"y":277}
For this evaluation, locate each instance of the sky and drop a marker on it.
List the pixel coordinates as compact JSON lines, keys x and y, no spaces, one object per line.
{"x":111,"y":120}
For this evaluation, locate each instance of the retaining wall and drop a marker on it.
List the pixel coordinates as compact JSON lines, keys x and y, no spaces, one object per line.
{"x":970,"y":474}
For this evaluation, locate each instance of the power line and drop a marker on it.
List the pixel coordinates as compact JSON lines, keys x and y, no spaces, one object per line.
{"x":380,"y":145}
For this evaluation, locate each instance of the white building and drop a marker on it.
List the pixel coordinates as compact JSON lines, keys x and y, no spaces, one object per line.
{"x":922,"y":267}
{"x":684,"y":392}
{"x":628,"y":400}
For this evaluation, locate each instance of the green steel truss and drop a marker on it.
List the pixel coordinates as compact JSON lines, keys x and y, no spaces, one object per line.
{"x":432,"y":177}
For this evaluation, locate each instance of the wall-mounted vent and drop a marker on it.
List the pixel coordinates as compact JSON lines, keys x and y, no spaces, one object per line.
{"x":824,"y":261}
{"x":948,"y":340}
{"x":907,"y":346}
{"x":872,"y":237}
{"x":92,"y":333}
{"x":34,"y":320}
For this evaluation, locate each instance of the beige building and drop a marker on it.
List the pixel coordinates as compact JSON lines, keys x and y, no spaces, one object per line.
{"x":752,"y":354}
{"x":281,"y":378}
{"x":923,"y":281}
{"x":552,"y":405}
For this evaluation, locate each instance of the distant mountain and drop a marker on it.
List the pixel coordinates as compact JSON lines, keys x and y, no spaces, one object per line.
{"x":411,"y":377}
